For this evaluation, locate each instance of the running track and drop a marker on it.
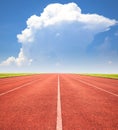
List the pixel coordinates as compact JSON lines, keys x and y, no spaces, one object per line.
{"x":58,"y":102}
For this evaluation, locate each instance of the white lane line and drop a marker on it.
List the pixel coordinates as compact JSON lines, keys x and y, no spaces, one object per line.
{"x":99,"y":88}
{"x":18,"y":88}
{"x":59,"y":117}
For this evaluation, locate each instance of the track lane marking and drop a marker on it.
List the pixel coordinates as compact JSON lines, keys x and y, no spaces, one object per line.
{"x":21,"y":86}
{"x":59,"y":116}
{"x":98,"y":88}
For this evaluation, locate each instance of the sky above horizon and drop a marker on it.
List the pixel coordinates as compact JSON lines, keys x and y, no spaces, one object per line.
{"x":79,"y":36}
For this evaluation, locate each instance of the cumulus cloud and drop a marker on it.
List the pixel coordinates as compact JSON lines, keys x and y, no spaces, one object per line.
{"x":57,"y":15}
{"x":19,"y":61}
{"x":59,"y":30}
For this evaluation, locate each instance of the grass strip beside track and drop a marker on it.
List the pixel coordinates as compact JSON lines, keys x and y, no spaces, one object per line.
{"x":113,"y":76}
{"x":6,"y":75}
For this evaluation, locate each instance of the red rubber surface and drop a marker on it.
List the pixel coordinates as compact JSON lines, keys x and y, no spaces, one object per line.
{"x":34,"y":106}
{"x":87,"y":108}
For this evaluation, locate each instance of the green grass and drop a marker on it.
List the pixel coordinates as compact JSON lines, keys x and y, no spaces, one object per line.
{"x":114,"y":76}
{"x":6,"y":75}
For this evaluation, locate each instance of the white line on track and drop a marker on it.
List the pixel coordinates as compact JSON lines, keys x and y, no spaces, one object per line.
{"x":99,"y":88}
{"x":18,"y":87}
{"x":59,"y":117}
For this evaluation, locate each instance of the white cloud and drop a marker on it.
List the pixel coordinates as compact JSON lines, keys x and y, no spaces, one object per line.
{"x":19,"y":61}
{"x":59,"y":30}
{"x":9,"y":61}
{"x":58,"y":14}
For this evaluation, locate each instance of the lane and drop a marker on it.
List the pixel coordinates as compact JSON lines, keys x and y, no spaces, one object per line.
{"x":86,"y":108}
{"x":99,"y":88}
{"x":19,"y":87}
{"x":110,"y":85}
{"x":4,"y":81}
{"x":8,"y":84}
{"x":31,"y":107}
{"x":101,"y":79}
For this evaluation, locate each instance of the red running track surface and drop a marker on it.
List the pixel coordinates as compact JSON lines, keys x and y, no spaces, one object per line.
{"x":30,"y":102}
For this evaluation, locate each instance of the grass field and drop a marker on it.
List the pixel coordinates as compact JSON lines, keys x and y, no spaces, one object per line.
{"x":6,"y":75}
{"x":113,"y":76}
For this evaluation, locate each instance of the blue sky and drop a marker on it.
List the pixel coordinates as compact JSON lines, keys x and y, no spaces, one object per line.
{"x":66,"y":44}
